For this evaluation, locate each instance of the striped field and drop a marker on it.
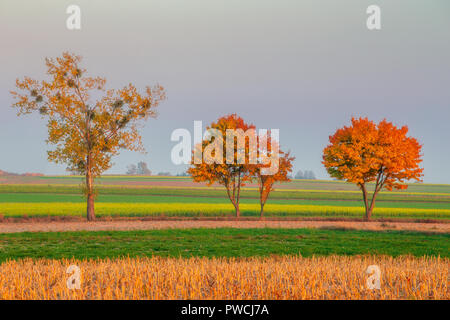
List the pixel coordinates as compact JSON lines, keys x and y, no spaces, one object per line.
{"x":179,"y":196}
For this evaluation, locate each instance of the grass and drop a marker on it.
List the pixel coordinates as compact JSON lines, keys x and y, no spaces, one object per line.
{"x":295,"y":184}
{"x":107,"y":198}
{"x":219,"y":192}
{"x":223,"y":242}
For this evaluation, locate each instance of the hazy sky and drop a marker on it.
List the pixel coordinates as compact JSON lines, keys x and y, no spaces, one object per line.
{"x":305,"y":67}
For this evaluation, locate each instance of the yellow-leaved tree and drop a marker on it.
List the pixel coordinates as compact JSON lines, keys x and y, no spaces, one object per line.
{"x":213,"y":166}
{"x":87,"y":124}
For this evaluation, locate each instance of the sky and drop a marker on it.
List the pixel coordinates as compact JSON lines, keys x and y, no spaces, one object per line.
{"x":303,"y":67}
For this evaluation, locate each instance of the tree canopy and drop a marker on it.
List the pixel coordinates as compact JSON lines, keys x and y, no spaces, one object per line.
{"x":87,"y":123}
{"x":366,"y":152}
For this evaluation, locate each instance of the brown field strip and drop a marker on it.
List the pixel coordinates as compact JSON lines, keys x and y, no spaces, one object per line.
{"x":58,"y":226}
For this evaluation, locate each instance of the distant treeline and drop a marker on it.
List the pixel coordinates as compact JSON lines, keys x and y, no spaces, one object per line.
{"x":141,"y":169}
{"x":307,"y":174}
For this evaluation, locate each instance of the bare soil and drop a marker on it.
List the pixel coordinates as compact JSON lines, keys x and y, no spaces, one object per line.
{"x":135,"y":224}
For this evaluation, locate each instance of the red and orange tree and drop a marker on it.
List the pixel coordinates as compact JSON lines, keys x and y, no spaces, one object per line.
{"x":366,"y":152}
{"x":267,"y":180}
{"x":87,"y":124}
{"x":213,"y":167}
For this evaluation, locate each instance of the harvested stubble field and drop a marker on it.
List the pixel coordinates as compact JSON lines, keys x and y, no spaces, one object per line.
{"x":288,"y":277}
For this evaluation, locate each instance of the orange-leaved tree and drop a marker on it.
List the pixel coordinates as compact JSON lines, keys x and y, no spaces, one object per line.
{"x":366,"y":152}
{"x":212,"y":165}
{"x":266,"y":177}
{"x":87,"y":124}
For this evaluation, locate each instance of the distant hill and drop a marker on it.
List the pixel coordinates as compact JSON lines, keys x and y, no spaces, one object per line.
{"x":4,"y":173}
{"x":27,"y":174}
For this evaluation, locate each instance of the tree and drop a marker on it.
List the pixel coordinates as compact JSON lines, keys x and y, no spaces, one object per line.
{"x":299,"y":175}
{"x":86,"y":133}
{"x":267,"y":181}
{"x":231,"y":175}
{"x":143,"y":170}
{"x":131,"y":170}
{"x":381,"y":153}
{"x":309,"y":174}
{"x":71,"y":172}
{"x":140,"y":169}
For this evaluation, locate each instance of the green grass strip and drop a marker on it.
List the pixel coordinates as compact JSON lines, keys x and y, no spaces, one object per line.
{"x":60,"y":198}
{"x":223,"y":242}
{"x":219,"y":192}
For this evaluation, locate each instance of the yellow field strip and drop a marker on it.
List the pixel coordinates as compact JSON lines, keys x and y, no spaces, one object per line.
{"x":207,"y":209}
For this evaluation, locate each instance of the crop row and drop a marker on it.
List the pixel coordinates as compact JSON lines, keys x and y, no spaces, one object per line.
{"x":220,"y":192}
{"x":205,"y":209}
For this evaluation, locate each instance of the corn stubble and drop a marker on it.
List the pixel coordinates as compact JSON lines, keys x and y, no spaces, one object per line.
{"x":287,"y":277}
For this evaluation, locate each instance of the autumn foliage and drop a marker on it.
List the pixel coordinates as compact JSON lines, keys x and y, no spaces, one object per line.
{"x":232,"y":164}
{"x":213,"y":167}
{"x":87,"y":124}
{"x":366,"y":152}
{"x":266,"y":182}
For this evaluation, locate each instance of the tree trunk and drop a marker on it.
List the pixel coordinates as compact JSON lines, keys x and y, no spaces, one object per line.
{"x":369,"y":208}
{"x":372,"y":205}
{"x":90,"y":207}
{"x":238,"y":212}
{"x":366,"y":202}
{"x":232,"y":198}
{"x":368,"y":214}
{"x":261,"y":214}
{"x":90,"y":196}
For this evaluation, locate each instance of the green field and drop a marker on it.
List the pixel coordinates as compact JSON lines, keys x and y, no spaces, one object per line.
{"x":223,"y":242}
{"x":294,"y":184}
{"x":179,"y":196}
